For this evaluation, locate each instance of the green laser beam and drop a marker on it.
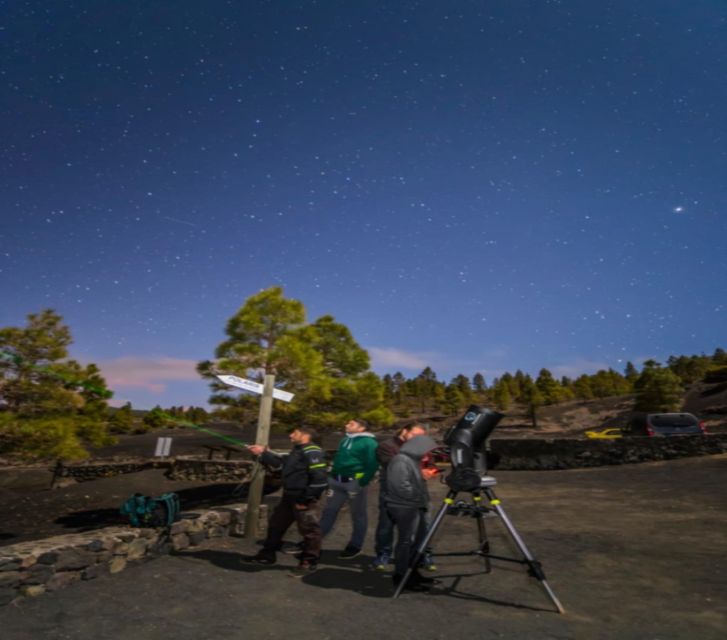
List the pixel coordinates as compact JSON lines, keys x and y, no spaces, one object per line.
{"x":11,"y":357}
{"x":191,"y":425}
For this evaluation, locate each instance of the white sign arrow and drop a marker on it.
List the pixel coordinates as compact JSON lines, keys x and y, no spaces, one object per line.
{"x":254,"y":387}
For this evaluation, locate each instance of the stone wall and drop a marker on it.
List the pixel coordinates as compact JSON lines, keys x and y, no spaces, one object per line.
{"x":564,"y":453}
{"x":86,"y":471}
{"x":29,"y":569}
{"x":177,"y":469}
{"x":210,"y":470}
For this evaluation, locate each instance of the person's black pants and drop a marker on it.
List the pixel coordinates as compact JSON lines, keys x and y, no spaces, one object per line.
{"x":409,"y":535}
{"x":285,"y":514}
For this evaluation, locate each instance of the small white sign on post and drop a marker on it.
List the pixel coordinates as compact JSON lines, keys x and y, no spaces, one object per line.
{"x":255,"y":387}
{"x":164,"y":446}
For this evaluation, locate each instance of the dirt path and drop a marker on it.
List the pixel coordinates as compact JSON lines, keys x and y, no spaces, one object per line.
{"x":633,"y":552}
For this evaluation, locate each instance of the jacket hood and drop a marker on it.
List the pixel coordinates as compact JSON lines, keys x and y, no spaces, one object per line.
{"x":362,"y":434}
{"x":418,"y":446}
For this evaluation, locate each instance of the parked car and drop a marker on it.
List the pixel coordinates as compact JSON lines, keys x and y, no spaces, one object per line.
{"x":605,"y":434}
{"x":664,"y":424}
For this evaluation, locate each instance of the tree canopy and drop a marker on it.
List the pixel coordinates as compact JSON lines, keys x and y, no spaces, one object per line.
{"x":320,"y":362}
{"x":50,"y":405}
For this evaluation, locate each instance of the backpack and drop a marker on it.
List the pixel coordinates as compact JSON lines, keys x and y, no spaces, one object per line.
{"x":145,"y":511}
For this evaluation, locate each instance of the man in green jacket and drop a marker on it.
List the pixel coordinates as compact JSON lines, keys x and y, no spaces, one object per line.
{"x":354,"y":465}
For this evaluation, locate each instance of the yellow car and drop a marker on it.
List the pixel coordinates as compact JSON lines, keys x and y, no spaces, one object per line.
{"x":605,"y":434}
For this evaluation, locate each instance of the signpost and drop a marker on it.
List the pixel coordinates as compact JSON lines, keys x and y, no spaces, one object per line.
{"x":163,"y":447}
{"x":268,"y":392}
{"x":255,"y":387}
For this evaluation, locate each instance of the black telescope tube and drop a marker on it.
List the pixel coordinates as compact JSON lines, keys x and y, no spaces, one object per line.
{"x":468,"y":436}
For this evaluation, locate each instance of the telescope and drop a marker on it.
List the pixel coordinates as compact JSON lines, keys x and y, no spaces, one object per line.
{"x":466,"y":441}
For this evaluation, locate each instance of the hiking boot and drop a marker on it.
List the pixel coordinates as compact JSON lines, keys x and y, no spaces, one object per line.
{"x":427,"y":562}
{"x":261,"y":557}
{"x":380,"y":562}
{"x":349,"y":552}
{"x":306,"y":567}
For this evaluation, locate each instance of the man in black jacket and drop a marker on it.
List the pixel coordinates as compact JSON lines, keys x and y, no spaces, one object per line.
{"x":304,"y":480}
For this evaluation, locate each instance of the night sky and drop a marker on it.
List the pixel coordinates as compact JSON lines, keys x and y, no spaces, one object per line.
{"x":475,"y":186}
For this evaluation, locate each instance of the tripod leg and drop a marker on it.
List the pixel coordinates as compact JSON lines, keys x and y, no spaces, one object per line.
{"x":536,"y":570}
{"x":425,"y":543}
{"x":484,"y":547}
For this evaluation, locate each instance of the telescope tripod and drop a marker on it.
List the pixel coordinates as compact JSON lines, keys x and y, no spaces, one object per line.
{"x":478,"y":510}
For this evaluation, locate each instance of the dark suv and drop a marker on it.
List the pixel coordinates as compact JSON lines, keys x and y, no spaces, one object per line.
{"x":664,"y":424}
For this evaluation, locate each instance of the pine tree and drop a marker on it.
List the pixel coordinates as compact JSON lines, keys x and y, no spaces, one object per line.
{"x":462,"y":382}
{"x":660,"y":390}
{"x":630,"y":373}
{"x":501,"y":396}
{"x":548,"y":387}
{"x":453,"y":399}
{"x":478,"y":382}
{"x":320,"y":362}
{"x":582,"y":387}
{"x":52,"y":406}
{"x":155,"y":419}
{"x":122,"y":420}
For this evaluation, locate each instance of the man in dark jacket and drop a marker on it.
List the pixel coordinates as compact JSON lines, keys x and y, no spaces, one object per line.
{"x":304,"y":481}
{"x":384,"y":539}
{"x":407,"y":499}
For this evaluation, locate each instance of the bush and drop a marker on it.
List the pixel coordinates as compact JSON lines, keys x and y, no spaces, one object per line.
{"x":42,"y":437}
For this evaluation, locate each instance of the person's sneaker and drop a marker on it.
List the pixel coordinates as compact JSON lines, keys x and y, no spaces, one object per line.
{"x":293,"y":549}
{"x":261,"y":557}
{"x":349,"y":552}
{"x":306,"y":567}
{"x":380,"y":562}
{"x":427,"y":562}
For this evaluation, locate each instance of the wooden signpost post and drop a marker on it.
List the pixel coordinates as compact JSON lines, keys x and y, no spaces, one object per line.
{"x":262,"y":437}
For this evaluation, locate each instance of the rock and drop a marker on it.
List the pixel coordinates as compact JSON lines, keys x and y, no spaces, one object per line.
{"x":224,"y":517}
{"x":195,"y":525}
{"x":96,"y":545}
{"x":39,"y":574}
{"x":137,"y":549}
{"x":180,"y":527}
{"x":117,"y":564}
{"x":10,"y":579}
{"x":161,"y":547}
{"x":94,"y":572}
{"x":10,"y":564}
{"x":197,"y":538}
{"x":180,"y":541}
{"x":32,"y":590}
{"x":60,"y":580}
{"x":49,"y":557}
{"x":74,"y":560}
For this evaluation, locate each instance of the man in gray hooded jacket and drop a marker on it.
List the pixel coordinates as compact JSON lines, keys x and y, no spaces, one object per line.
{"x":407,"y":500}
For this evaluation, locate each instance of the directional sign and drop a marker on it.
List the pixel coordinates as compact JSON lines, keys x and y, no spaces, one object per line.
{"x":164,"y":445}
{"x":255,"y":387}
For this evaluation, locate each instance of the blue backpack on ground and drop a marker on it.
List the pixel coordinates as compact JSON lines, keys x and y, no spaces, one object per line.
{"x":145,"y":511}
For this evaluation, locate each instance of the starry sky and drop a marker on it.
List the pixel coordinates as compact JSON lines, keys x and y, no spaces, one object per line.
{"x":479,"y":185}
